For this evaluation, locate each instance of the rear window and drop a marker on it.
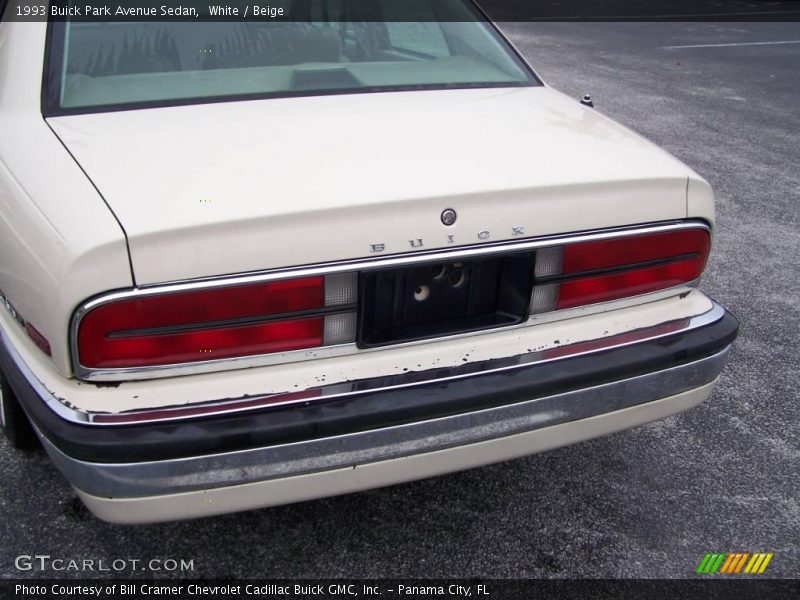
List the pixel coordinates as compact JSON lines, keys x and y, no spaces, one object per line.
{"x":334,"y":49}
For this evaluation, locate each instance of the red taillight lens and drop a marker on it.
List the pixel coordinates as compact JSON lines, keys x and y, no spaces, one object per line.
{"x":599,"y":271}
{"x":199,"y":345}
{"x":589,"y":290}
{"x":207,"y":306}
{"x":614,"y":253}
{"x":216,"y":323}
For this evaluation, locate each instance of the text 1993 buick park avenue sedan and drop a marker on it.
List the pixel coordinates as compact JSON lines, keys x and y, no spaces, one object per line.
{"x":251,"y":263}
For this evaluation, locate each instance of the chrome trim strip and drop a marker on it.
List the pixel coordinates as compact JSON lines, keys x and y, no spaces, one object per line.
{"x":220,"y":470}
{"x":54,"y":403}
{"x":359,"y":387}
{"x":373,"y":263}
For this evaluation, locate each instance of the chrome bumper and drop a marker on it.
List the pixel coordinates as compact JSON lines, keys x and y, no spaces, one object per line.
{"x":372,"y":421}
{"x":165,"y":477}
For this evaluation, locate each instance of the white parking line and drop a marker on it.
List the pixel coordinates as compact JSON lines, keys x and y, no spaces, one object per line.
{"x":729,"y":45}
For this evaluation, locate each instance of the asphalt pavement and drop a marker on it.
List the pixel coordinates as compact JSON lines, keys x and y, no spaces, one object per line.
{"x":725,"y":99}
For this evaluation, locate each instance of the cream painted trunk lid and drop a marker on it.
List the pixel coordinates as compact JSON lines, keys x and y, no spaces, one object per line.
{"x":215,"y":189}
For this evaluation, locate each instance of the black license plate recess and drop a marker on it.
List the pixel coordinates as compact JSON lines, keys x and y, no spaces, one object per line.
{"x":444,"y":298}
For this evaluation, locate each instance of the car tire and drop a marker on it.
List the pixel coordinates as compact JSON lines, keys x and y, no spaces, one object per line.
{"x":15,"y":423}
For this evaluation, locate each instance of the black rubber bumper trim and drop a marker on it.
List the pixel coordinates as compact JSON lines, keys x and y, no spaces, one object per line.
{"x":372,"y":410}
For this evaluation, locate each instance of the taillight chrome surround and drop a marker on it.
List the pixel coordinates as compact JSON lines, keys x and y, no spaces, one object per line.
{"x":548,"y":268}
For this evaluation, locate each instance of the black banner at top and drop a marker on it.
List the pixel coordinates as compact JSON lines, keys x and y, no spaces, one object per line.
{"x":400,"y":10}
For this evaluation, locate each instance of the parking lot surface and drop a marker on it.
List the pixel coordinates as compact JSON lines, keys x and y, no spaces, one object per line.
{"x":725,"y":99}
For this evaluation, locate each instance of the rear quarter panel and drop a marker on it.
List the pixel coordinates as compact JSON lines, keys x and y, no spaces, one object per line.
{"x":59,"y":242}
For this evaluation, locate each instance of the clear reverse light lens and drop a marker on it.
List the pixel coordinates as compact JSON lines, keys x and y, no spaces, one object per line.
{"x":341,"y":289}
{"x":340,"y":329}
{"x":545,"y":298}
{"x":549,"y":262}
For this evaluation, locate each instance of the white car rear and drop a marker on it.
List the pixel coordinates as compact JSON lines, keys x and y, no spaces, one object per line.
{"x":246,"y":264}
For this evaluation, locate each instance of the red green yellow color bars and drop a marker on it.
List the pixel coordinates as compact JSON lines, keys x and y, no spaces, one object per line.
{"x":734,"y":563}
